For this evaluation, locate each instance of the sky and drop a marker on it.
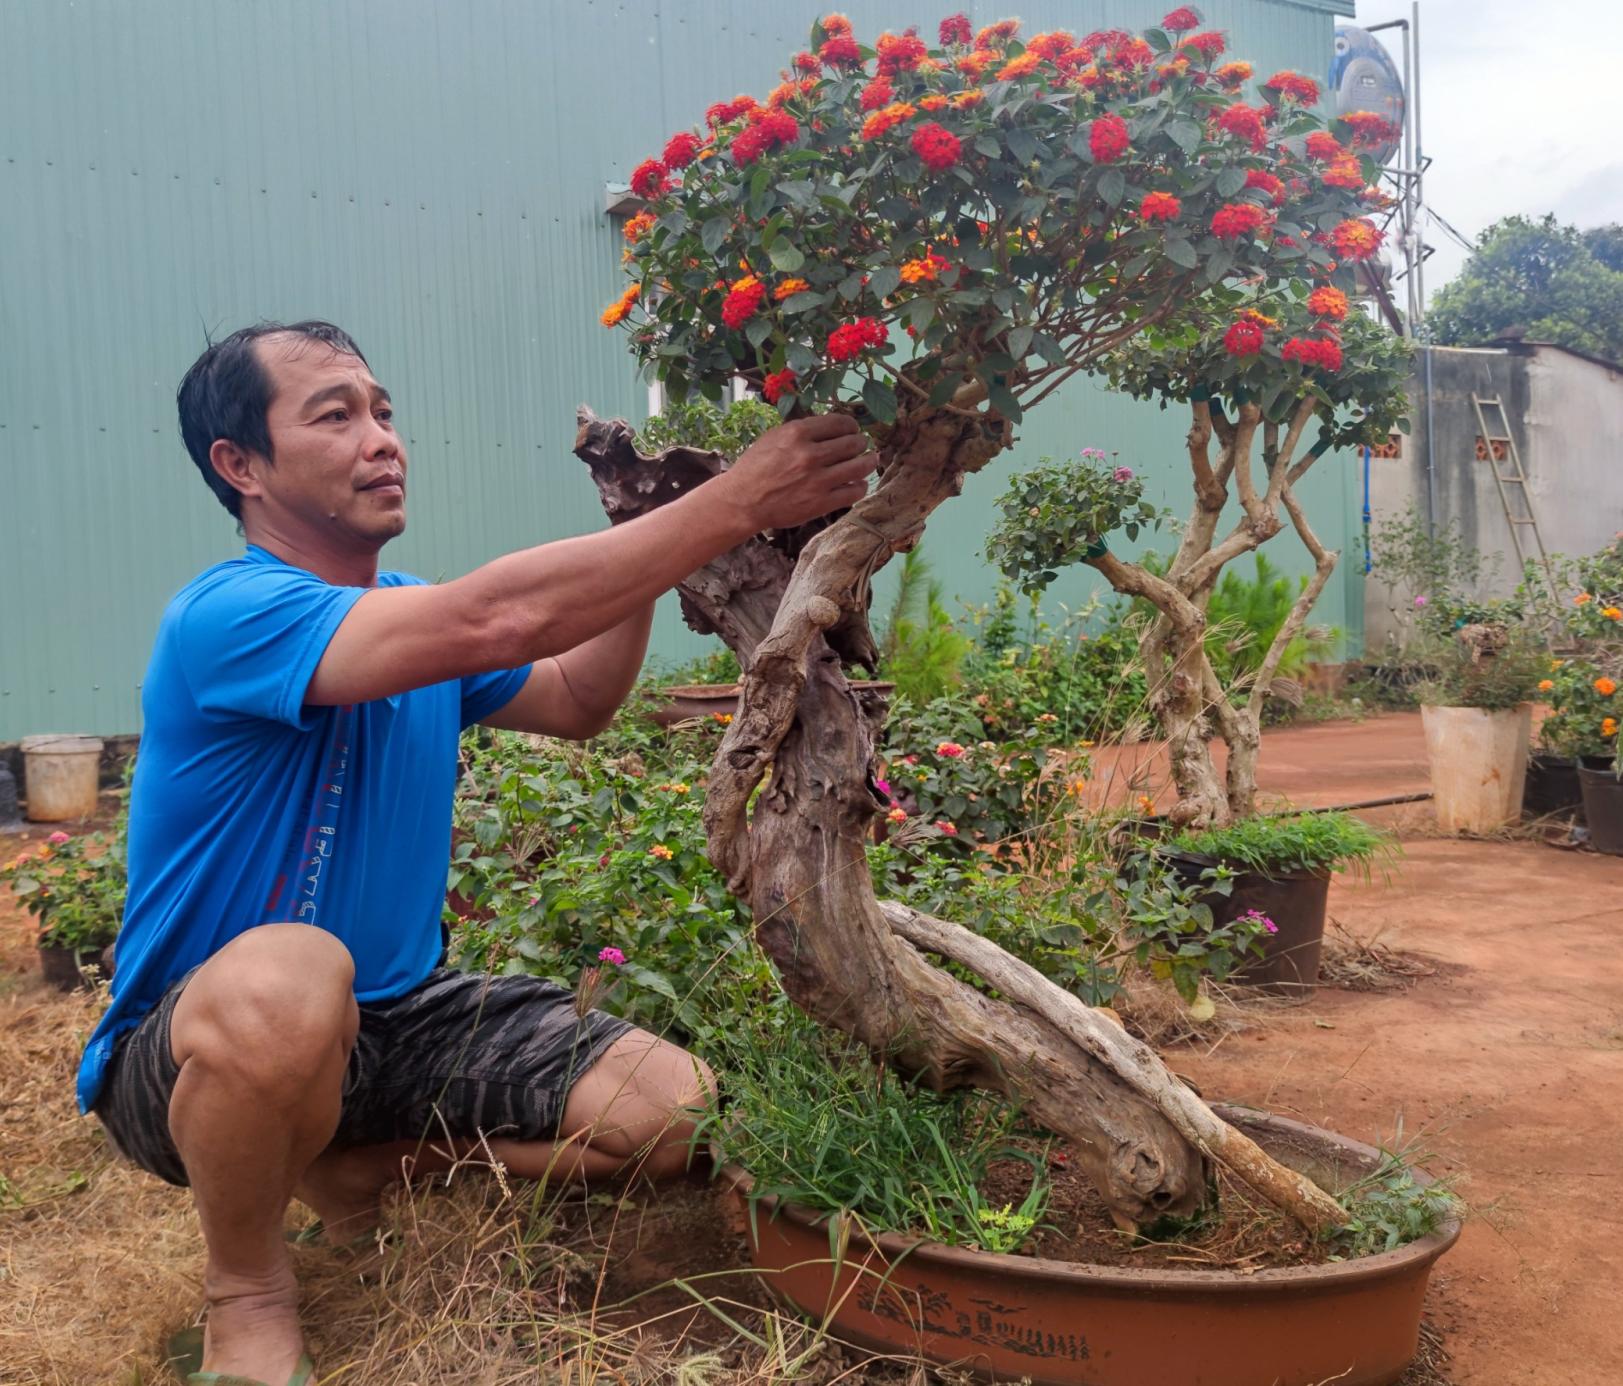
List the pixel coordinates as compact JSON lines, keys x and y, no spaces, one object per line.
{"x":1518,"y":110}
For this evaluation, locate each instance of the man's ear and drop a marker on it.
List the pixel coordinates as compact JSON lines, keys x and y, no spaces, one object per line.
{"x":236,"y":465}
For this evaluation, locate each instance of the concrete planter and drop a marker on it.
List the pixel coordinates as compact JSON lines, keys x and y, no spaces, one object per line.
{"x":1478,"y":765}
{"x":1056,"y":1323}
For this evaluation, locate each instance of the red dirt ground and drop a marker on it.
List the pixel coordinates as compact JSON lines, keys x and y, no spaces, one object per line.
{"x":1506,"y":1066}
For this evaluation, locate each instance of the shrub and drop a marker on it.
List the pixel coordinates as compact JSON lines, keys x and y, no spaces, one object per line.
{"x":1587,"y":708}
{"x":1275,"y":846}
{"x":74,"y":887}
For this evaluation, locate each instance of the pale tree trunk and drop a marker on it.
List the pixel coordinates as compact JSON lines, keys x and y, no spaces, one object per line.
{"x":793,"y":609}
{"x":1185,"y":692}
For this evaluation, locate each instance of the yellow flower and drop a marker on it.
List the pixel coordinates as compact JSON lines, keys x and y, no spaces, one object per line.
{"x":660,"y":850}
{"x":1612,"y":613}
{"x":1146,"y":804}
{"x":1609,"y":727}
{"x":790,"y":287}
{"x":725,"y":718}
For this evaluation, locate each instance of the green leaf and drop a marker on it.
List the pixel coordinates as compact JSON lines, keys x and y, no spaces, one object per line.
{"x":1020,"y":341}
{"x":800,"y":192}
{"x":1185,"y":134}
{"x":802,"y":359}
{"x":1003,"y":400}
{"x":785,"y":256}
{"x":757,"y":330}
{"x":1112,"y":186}
{"x":920,"y":313}
{"x":851,"y":285}
{"x":1049,"y":349}
{"x":804,"y":302}
{"x":883,"y":281}
{"x":943,"y":390}
{"x":880,"y":399}
{"x":713,"y":233}
{"x":1181,"y":253}
{"x":1230,"y":181}
{"x":985,"y":144}
{"x":1022,"y":145}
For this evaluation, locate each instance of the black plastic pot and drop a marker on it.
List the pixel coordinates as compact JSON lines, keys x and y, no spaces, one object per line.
{"x":64,"y":968}
{"x":1552,"y":788}
{"x":1603,"y":805}
{"x":1295,"y":900}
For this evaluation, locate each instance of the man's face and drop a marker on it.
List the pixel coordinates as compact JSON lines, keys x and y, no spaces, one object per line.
{"x":340,"y":468}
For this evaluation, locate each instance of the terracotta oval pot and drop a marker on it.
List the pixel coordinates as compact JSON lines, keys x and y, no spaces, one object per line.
{"x":680,"y":702}
{"x":1059,"y":1323}
{"x":1478,"y":765}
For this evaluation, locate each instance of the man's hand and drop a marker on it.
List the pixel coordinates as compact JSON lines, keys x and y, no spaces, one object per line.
{"x":801,"y":470}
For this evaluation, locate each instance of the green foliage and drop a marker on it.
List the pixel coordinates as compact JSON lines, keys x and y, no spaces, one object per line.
{"x":1424,"y":570}
{"x":1058,"y":514}
{"x":1584,"y":719}
{"x":1389,"y":1208}
{"x":921,"y":651}
{"x":719,"y":667}
{"x":1552,"y":283}
{"x":566,"y":850}
{"x":1041,"y":249}
{"x":74,"y":887}
{"x":1594,"y":616}
{"x":817,"y":1122}
{"x":699,"y":423}
{"x":1276,"y":846}
{"x":1482,"y":655}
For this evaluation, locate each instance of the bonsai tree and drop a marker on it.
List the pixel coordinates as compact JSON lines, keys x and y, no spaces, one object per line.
{"x":935,"y":239}
{"x":1256,"y":367}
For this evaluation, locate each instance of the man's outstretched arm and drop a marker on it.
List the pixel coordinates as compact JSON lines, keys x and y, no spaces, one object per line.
{"x":547,"y":601}
{"x":576,"y":694}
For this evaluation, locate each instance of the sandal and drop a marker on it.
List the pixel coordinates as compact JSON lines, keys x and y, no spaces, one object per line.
{"x":186,"y":1357}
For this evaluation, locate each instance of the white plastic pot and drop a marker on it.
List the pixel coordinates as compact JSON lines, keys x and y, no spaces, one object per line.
{"x":1478,"y":765}
{"x":61,"y":774}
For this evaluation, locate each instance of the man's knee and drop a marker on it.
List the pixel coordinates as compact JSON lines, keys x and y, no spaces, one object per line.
{"x":642,"y":1098}
{"x":275,"y":1007}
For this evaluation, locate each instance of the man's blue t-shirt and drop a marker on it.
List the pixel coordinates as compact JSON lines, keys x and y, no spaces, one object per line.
{"x":250,"y":807}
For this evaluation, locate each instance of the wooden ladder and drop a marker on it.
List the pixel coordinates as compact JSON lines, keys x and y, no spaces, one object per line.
{"x":1502,"y":454}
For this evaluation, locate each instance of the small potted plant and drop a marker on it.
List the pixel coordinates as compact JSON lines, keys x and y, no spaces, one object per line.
{"x":74,"y":887}
{"x":1478,"y":716}
{"x":1275,"y":873}
{"x":1587,"y":707}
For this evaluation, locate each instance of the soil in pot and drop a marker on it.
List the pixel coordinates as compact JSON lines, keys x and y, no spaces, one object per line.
{"x":1295,"y":900}
{"x":63,"y":968}
{"x":1552,"y":788}
{"x":1603,"y":805}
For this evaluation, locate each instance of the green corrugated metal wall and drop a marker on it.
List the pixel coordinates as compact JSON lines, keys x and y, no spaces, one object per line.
{"x":429,"y":173}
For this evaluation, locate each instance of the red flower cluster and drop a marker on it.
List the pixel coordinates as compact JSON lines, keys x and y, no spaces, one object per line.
{"x":1266,"y":182}
{"x":955,"y":29}
{"x":878,"y":93}
{"x":1295,"y":86}
{"x":899,"y":53}
{"x":1345,"y":172}
{"x":681,"y":150}
{"x":1001,"y":32}
{"x":1314,"y":351}
{"x":776,"y":386}
{"x":1209,"y":45}
{"x":1324,"y":146}
{"x":1107,"y":139}
{"x":1159,"y":206}
{"x":648,"y":179}
{"x":880,"y":121}
{"x":1233,"y":75}
{"x":937,"y":146}
{"x":1245,"y":123}
{"x":742,"y":300}
{"x":840,"y":51}
{"x":1133,"y":53}
{"x":1237,"y":219}
{"x":1243,"y":339}
{"x":1370,"y":130}
{"x":766,"y":130}
{"x":1356,"y":239}
{"x":808,"y":62}
{"x":836,"y":24}
{"x":1023,"y":66}
{"x":1327,"y":302}
{"x":1181,"y":20}
{"x":1053,"y":46}
{"x":724,"y":112}
{"x":849,"y":339}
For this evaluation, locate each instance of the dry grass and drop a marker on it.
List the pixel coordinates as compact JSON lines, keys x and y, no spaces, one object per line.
{"x":1349,"y":963}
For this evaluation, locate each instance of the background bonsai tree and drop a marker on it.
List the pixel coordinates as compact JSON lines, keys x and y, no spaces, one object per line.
{"x":1257,"y":368}
{"x":935,"y":239}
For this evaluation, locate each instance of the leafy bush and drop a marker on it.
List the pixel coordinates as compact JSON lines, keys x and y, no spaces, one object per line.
{"x":1586,"y":707}
{"x":1389,"y":1208}
{"x":1272,"y":846}
{"x":74,"y":887}
{"x":698,"y":423}
{"x":817,"y":1122}
{"x":921,"y":651}
{"x":1490,"y":659}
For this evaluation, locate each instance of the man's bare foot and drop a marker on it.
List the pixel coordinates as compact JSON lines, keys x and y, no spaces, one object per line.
{"x":253,"y":1326}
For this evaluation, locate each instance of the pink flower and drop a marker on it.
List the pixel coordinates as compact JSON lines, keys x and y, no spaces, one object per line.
{"x":1123,"y":474}
{"x":1257,"y":917}
{"x":946,"y":827}
{"x":897,"y":815}
{"x":56,"y":839}
{"x":950,"y":749}
{"x":883,"y":786}
{"x":613,"y":956}
{"x":1419,"y":601}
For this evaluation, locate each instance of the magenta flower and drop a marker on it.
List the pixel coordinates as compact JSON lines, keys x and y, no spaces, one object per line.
{"x":1419,"y":601}
{"x":1123,"y":474}
{"x":56,"y":839}
{"x":1257,"y":917}
{"x":883,"y":786}
{"x":612,"y":956}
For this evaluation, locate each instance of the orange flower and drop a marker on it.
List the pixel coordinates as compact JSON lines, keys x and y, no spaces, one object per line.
{"x":1605,"y":686}
{"x":1581,"y":599}
{"x":897,"y":815}
{"x":1545,"y":685}
{"x":1327,"y":302}
{"x":660,"y":850}
{"x":881,"y":121}
{"x":1612,"y":613}
{"x":788,"y":288}
{"x":1233,"y":74}
{"x":928,"y":267}
{"x":1609,"y":727}
{"x":935,"y":101}
{"x":618,"y":311}
{"x":1023,"y":66}
{"x":638,"y":226}
{"x":975,"y":64}
{"x":962,"y":100}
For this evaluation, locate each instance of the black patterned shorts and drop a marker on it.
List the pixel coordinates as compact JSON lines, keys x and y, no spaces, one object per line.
{"x":464,"y":1054}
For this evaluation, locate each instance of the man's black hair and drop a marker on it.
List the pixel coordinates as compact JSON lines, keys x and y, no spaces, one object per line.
{"x":227,"y":392}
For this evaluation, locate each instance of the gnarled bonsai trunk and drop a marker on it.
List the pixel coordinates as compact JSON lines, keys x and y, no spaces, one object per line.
{"x":794,"y":618}
{"x":1185,"y":692}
